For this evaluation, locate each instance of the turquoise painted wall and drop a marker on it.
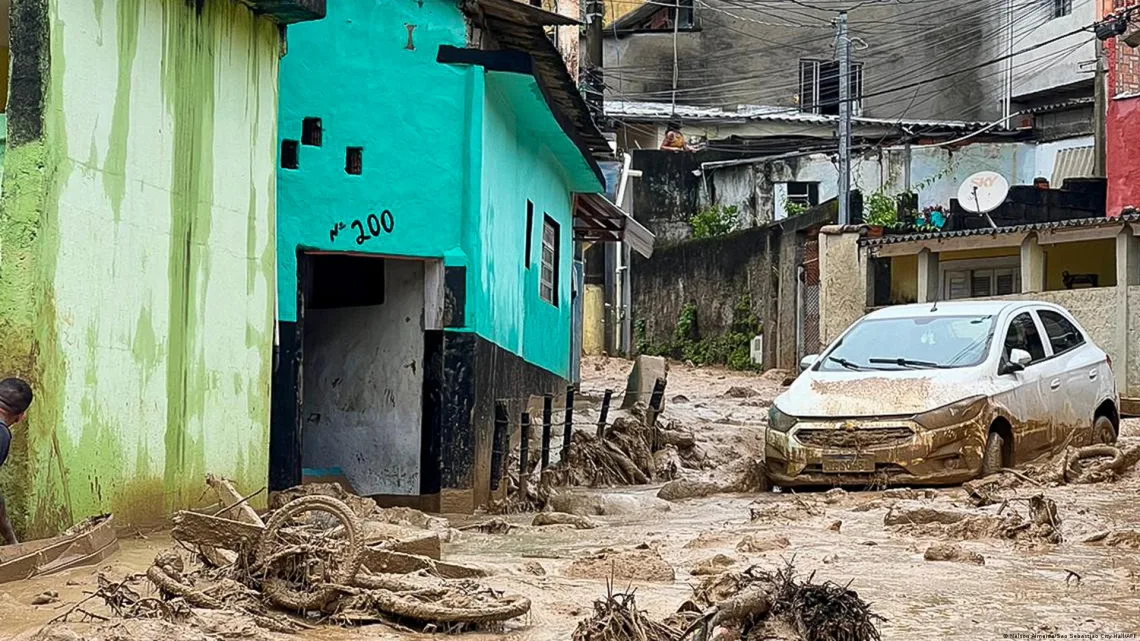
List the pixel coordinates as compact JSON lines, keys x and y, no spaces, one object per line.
{"x":453,"y":152}
{"x":355,"y":72}
{"x":517,"y":166}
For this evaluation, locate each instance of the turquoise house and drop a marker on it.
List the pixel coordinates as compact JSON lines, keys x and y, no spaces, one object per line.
{"x":437,"y":166}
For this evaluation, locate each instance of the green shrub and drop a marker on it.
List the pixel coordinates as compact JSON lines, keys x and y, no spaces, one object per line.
{"x":717,"y":220}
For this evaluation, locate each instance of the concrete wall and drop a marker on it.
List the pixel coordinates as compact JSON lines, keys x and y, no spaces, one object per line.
{"x":415,"y":156}
{"x":518,"y":166}
{"x":843,"y":280}
{"x":454,"y":172}
{"x":743,"y":55}
{"x":137,"y":266}
{"x":1123,"y":125}
{"x":760,"y":189}
{"x":713,"y":273}
{"x":363,"y":389}
{"x":1056,"y":64}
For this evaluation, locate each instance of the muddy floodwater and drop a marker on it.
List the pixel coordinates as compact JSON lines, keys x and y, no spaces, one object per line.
{"x":1074,"y":589}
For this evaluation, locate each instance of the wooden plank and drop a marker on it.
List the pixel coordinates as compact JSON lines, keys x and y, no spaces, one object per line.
{"x":389,"y":562}
{"x":202,"y":529}
{"x":228,"y":495}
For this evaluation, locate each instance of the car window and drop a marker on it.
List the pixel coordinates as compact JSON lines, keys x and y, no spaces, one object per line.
{"x":1023,"y":334}
{"x":1062,"y":334}
{"x":921,"y":342}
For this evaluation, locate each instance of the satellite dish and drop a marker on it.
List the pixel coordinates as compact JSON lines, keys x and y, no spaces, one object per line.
{"x":982,"y":193}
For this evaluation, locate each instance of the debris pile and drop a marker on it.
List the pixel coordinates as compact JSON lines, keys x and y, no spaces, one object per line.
{"x":616,"y":618}
{"x":310,"y":562}
{"x":1040,"y":523}
{"x":741,"y":606}
{"x":638,"y":564}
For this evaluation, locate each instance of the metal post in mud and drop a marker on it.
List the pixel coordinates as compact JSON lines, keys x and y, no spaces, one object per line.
{"x":655,"y":409}
{"x":499,"y":444}
{"x":524,"y":454}
{"x":605,"y":413}
{"x":547,"y":402}
{"x":568,"y":424}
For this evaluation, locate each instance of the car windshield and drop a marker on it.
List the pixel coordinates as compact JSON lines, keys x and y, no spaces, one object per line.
{"x":923,"y":342}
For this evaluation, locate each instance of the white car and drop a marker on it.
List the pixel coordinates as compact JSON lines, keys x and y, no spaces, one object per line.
{"x":939,"y":394}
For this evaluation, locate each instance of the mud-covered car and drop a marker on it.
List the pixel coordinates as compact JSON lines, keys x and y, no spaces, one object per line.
{"x":940,"y":394}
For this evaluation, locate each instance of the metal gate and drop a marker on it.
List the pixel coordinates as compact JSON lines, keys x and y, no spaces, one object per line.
{"x":807,"y":300}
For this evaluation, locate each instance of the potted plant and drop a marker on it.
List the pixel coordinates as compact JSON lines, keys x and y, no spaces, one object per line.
{"x":881,"y":211}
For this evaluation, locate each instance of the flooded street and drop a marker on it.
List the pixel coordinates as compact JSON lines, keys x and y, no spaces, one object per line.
{"x":1022,"y":586}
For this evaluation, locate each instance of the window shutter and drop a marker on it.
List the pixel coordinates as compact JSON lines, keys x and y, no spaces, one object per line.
{"x":808,"y":84}
{"x":958,"y":284}
{"x":1005,"y":282}
{"x":981,"y":283}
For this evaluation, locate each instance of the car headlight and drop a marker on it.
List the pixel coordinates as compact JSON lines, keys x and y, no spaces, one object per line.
{"x":780,"y":421}
{"x":952,"y":414}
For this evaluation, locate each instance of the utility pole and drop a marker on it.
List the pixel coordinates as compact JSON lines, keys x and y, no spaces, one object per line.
{"x":843,"y":43}
{"x":1100,"y":109}
{"x":594,"y":85}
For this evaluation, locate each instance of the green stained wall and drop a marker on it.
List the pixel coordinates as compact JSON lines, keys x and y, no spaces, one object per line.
{"x":137,"y":261}
{"x":453,"y":152}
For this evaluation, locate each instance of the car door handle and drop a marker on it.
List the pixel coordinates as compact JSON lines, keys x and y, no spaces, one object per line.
{"x":1055,"y":384}
{"x":1092,"y":374}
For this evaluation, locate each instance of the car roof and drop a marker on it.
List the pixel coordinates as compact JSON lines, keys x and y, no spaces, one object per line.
{"x":954,"y":308}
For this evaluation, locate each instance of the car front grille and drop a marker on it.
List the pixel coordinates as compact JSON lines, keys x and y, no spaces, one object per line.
{"x":855,"y":439}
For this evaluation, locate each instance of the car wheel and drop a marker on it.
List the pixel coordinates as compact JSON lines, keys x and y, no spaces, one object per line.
{"x":1104,"y":431}
{"x":992,"y":456}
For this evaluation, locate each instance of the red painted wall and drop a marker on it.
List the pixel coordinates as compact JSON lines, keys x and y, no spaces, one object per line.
{"x":1123,"y":154}
{"x":1122,"y":125}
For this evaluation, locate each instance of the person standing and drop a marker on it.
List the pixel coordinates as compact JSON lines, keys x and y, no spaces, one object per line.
{"x":15,"y":398}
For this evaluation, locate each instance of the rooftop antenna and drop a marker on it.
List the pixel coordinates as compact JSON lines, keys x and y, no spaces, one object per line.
{"x":982,"y":193}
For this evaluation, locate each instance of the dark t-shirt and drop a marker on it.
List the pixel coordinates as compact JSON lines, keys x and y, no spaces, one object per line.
{"x":5,"y":441}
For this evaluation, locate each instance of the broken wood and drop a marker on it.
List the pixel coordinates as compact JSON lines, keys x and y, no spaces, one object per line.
{"x":237,"y":507}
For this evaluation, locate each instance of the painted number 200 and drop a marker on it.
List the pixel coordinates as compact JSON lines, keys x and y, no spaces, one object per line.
{"x":384,"y":222}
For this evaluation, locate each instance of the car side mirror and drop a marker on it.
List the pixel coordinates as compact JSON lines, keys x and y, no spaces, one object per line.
{"x":807,"y":361}
{"x":1019,"y":359}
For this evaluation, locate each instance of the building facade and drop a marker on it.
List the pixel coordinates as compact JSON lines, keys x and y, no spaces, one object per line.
{"x":136,"y":251}
{"x":431,"y":162}
{"x":1122,"y":123}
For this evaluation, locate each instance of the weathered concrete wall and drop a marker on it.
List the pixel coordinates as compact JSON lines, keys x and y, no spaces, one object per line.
{"x":363,"y":389}
{"x":713,"y":273}
{"x":750,"y":56}
{"x":137,"y":250}
{"x":1132,"y":367}
{"x":1056,"y":64}
{"x":843,"y":279}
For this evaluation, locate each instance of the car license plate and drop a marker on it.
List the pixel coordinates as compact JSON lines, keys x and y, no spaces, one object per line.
{"x":847,"y":464}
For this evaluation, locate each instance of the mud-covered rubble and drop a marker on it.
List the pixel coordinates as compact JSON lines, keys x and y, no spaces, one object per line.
{"x":1036,"y":520}
{"x":741,"y":606}
{"x":642,"y":563}
{"x":322,"y":557}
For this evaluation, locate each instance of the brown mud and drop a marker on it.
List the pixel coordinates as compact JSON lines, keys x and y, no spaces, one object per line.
{"x":1087,"y":583}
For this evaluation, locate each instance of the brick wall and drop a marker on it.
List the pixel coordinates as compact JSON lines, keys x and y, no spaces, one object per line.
{"x":1125,"y":79}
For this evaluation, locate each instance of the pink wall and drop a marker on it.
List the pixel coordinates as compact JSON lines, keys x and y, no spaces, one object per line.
{"x":1123,"y":128}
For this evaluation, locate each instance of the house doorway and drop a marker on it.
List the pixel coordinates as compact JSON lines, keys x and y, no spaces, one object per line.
{"x":361,"y":374}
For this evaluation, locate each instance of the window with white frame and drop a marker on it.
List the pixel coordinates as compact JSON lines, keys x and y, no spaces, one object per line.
{"x":1062,"y":8}
{"x":548,"y":275}
{"x":980,"y":278}
{"x":819,"y":87}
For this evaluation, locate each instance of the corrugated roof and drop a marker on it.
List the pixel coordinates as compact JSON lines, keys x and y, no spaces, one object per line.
{"x":891,"y":239}
{"x":520,"y":27}
{"x":660,"y":111}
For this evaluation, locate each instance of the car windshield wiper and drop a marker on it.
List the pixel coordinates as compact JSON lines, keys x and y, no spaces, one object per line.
{"x":844,"y":362}
{"x":906,"y":362}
